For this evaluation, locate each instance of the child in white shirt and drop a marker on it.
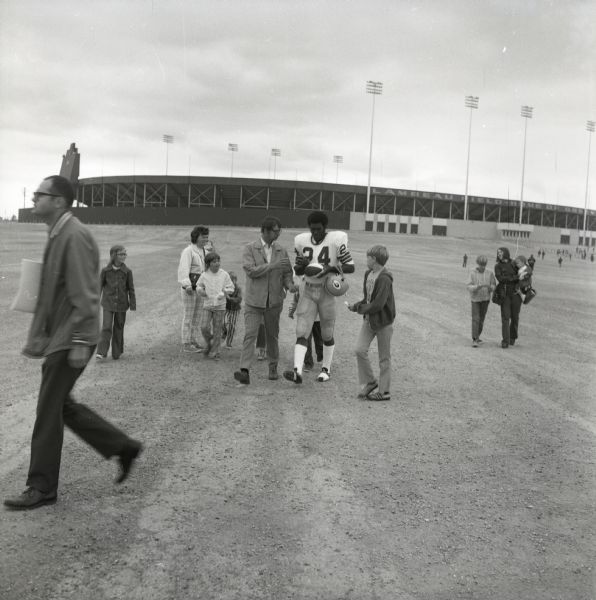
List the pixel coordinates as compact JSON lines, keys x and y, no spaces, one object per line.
{"x":213,"y":285}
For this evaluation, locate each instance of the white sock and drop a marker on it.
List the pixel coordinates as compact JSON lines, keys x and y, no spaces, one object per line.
{"x":299,"y":354}
{"x":328,"y":356}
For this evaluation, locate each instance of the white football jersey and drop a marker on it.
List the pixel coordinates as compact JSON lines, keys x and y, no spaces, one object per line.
{"x":331,"y":250}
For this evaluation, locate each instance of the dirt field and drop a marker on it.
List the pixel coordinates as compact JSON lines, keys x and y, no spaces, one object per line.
{"x":477,"y":480}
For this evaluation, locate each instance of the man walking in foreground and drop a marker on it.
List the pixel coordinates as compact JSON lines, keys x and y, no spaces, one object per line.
{"x":64,"y":331}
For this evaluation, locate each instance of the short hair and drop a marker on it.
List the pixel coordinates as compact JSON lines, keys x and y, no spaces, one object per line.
{"x":114,"y":251}
{"x":318,"y":217}
{"x":197,"y":231}
{"x":521,"y":259}
{"x":211,"y":256}
{"x":481,"y":259}
{"x":379,"y":253}
{"x":269,"y":223}
{"x":62,"y":187}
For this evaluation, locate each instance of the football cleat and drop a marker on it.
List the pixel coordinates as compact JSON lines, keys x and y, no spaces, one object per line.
{"x":293,"y":376}
{"x":324,"y":375}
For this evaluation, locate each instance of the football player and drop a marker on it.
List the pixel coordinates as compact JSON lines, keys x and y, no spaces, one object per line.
{"x":329,"y":249}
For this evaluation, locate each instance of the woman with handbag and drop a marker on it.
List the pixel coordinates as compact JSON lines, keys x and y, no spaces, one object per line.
{"x":511,"y":301}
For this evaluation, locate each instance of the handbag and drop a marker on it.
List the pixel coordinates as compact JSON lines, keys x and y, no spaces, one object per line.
{"x":497,"y":296}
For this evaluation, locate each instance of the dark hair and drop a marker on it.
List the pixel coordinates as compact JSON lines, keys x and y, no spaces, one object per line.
{"x":61,"y":186}
{"x":114,"y":252}
{"x":211,"y":256}
{"x":318,"y":217}
{"x":269,"y":223}
{"x":197,"y":231}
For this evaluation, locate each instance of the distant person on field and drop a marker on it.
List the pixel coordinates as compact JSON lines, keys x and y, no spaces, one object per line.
{"x":560,"y":261}
{"x":378,"y":309}
{"x":481,"y":284}
{"x":465,"y":261}
{"x":190,"y":267}
{"x":64,"y":332}
{"x":511,"y":301}
{"x":213,"y":286}
{"x":117,"y":296}
{"x":233,"y":305}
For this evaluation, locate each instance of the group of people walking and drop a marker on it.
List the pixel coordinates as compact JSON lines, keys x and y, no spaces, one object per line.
{"x":509,"y":286}
{"x":65,"y":328}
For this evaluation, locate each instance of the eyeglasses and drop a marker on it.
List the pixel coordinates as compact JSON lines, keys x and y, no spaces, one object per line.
{"x":37,"y":195}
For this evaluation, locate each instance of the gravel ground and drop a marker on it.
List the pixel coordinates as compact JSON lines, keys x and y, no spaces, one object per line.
{"x":477,"y":480}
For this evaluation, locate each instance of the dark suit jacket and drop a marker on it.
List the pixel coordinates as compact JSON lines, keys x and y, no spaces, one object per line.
{"x":265,"y":282}
{"x":67,"y":308}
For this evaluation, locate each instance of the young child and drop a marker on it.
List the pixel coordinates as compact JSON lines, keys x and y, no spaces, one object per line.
{"x":117,"y":296}
{"x":524,"y":272}
{"x":233,"y":303}
{"x":481,"y":284}
{"x":213,"y":285}
{"x":315,"y":335}
{"x":378,"y":308}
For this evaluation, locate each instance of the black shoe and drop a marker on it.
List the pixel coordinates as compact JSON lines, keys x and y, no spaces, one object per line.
{"x":127,"y":458}
{"x":242,"y":377}
{"x":504,"y":345}
{"x":293,"y":376}
{"x":31,"y":498}
{"x":512,"y":342}
{"x":273,"y":372}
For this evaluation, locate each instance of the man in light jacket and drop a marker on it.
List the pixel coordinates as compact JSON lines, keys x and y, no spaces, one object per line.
{"x":64,"y":331}
{"x":269,"y":276}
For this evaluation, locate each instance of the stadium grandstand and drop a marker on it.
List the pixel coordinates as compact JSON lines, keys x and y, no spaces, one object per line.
{"x":181,"y":200}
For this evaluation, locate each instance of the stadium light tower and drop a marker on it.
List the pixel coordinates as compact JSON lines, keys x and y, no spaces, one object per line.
{"x":168,"y":139}
{"x":590,"y":125}
{"x":232,"y":148}
{"x":338,"y":160}
{"x":376,"y":89}
{"x":471,"y":103}
{"x":526,"y":113}
{"x":275,"y":152}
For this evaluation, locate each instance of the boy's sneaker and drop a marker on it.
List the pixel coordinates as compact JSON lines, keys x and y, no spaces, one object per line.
{"x":474,"y":343}
{"x":293,"y":376}
{"x":100,"y":356}
{"x":190,"y":348}
{"x":324,"y":375}
{"x":261,"y":354}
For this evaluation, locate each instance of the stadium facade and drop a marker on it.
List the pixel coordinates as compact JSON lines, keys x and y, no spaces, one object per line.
{"x":188,"y":200}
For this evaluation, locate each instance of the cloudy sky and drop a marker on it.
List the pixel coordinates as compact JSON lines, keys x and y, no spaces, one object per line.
{"x":114,"y":76}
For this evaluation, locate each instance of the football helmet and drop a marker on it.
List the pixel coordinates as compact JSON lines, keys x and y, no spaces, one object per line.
{"x":336,"y":285}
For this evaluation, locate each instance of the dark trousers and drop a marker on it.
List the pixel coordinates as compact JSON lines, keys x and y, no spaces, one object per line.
{"x":112,"y":329}
{"x":510,"y":316}
{"x":478,"y":314}
{"x":315,"y":335}
{"x":55,"y":409}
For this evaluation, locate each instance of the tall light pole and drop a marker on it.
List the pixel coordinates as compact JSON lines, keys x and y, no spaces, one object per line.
{"x":232,"y":148}
{"x":338,"y":160}
{"x":168,"y":139}
{"x":526,"y":113}
{"x":275,"y":152}
{"x":376,"y":89}
{"x":590,"y":125}
{"x":472,"y":103}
